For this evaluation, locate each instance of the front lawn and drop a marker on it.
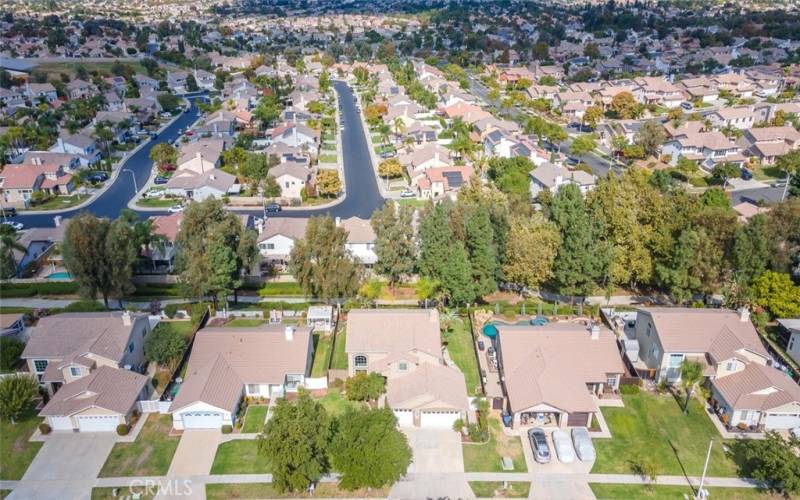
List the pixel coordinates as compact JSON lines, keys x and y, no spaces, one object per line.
{"x":653,"y":428}
{"x":328,"y":158}
{"x":157,"y":202}
{"x":487,"y":489}
{"x":768,"y":173}
{"x":322,"y":353}
{"x":659,"y":492}
{"x":254,"y":419}
{"x":59,"y":202}
{"x":239,"y":457}
{"x":486,"y":457}
{"x":461,"y":348}
{"x":339,"y":361}
{"x":336,"y":403}
{"x":16,"y":452}
{"x":267,"y":490}
{"x":149,"y":455}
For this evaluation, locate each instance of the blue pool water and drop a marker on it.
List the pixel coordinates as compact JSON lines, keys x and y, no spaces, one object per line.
{"x":61,"y":275}
{"x":490,"y":330}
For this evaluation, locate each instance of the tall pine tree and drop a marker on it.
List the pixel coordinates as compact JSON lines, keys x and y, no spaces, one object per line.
{"x":394,"y":241}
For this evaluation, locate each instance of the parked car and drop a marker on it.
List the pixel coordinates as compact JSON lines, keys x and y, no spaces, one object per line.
{"x":154,"y":193}
{"x":153,"y":135}
{"x":8,"y":212}
{"x":18,"y":226}
{"x":583,"y":444}
{"x":273,"y":208}
{"x":491,"y":352}
{"x":687,"y":106}
{"x":160,"y":180}
{"x":563,"y":446}
{"x":481,"y":345}
{"x":386,"y":154}
{"x":572,"y":161}
{"x":539,"y":446}
{"x":174,"y":209}
{"x":407,"y":193}
{"x":746,"y":174}
{"x":97,"y":177}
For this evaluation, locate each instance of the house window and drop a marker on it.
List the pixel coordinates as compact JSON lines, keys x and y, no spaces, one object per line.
{"x":270,"y":246}
{"x":649,"y":326}
{"x":131,"y":347}
{"x":40,"y":365}
{"x":402,"y":366}
{"x":360,"y":361}
{"x":75,"y":371}
{"x":611,"y":381}
{"x":293,"y":381}
{"x":731,"y":365}
{"x":654,"y":352}
{"x":253,"y":389}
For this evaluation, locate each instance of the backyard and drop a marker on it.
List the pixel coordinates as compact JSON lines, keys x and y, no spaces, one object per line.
{"x":652,"y":428}
{"x":664,"y":492}
{"x":254,"y":419}
{"x":322,"y":353}
{"x":17,"y":451}
{"x":339,"y":361}
{"x":266,"y":490}
{"x":486,"y":457}
{"x":149,"y":455}
{"x":239,"y":456}
{"x":461,"y":348}
{"x":164,"y":374}
{"x":335,"y":403}
{"x":244,"y":322}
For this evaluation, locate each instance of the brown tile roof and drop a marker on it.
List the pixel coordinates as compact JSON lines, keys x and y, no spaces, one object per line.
{"x":168,"y":225}
{"x":108,"y":388}
{"x":552,"y":364}
{"x":740,"y":389}
{"x":358,"y":230}
{"x":285,"y":226}
{"x":429,"y":386}
{"x":393,"y":331}
{"x":223,"y":360}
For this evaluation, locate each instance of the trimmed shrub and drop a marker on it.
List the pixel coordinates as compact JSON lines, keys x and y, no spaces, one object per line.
{"x":44,"y":428}
{"x":227,"y":429}
{"x":123,"y":429}
{"x":19,"y":290}
{"x":458,"y":425}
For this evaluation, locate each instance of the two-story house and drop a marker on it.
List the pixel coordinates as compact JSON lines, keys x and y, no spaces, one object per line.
{"x":768,"y":143}
{"x":78,"y":144}
{"x":550,"y":177}
{"x":708,"y":149}
{"x":404,"y":346}
{"x":88,"y":363}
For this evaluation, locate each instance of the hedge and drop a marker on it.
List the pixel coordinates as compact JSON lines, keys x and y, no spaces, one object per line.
{"x":16,"y":290}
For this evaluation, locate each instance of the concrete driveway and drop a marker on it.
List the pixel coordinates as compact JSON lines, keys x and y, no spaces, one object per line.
{"x":555,"y":466}
{"x":66,"y":467}
{"x":195,"y":453}
{"x":437,"y":454}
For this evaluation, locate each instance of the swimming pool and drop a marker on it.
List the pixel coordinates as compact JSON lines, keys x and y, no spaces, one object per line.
{"x":61,"y":275}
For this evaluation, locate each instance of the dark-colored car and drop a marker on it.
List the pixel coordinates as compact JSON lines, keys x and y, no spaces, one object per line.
{"x":572,"y":161}
{"x":97,"y":177}
{"x":539,"y":446}
{"x":160,"y":180}
{"x":8,"y":212}
{"x":273,"y":208}
{"x":746,"y":174}
{"x":481,"y":345}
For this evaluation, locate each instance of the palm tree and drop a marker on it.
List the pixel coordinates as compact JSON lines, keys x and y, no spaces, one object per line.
{"x":384,"y":131}
{"x":8,"y":244}
{"x":399,"y":128}
{"x":691,"y":374}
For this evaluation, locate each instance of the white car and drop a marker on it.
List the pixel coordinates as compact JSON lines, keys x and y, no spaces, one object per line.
{"x":154,"y":193}
{"x":174,"y":209}
{"x":563,"y":446}
{"x":583,"y":444}
{"x":18,"y":226}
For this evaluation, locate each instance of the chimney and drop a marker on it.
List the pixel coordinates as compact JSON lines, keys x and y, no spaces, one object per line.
{"x":288,"y":332}
{"x":744,"y":314}
{"x":126,"y":318}
{"x":57,"y":220}
{"x":594,"y":330}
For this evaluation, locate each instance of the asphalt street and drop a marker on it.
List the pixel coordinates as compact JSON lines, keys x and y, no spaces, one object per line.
{"x":362,"y":198}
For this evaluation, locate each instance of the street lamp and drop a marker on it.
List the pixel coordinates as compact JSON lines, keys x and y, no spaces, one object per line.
{"x":700,"y":493}
{"x":135,"y":189}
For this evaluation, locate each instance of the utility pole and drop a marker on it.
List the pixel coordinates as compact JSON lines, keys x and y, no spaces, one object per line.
{"x":700,"y":492}
{"x":135,"y":188}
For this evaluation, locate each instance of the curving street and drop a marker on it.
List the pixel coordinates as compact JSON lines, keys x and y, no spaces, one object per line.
{"x":362,"y":193}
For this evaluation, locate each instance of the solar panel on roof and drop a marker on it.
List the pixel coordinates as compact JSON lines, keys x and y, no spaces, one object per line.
{"x":454,"y":179}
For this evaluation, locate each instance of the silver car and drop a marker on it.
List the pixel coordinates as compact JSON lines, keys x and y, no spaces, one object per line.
{"x":539,"y":446}
{"x":583,"y":444}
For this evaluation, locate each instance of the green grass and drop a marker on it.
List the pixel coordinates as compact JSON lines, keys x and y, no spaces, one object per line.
{"x":157,"y":202}
{"x":108,"y":492}
{"x":339,"y":361}
{"x":769,"y":173}
{"x":245,"y":322}
{"x":336,"y":404}
{"x":4,"y":494}
{"x":54,"y":69}
{"x":15,"y":310}
{"x":157,"y":290}
{"x":266,"y":490}
{"x":281,"y":288}
{"x":149,"y":455}
{"x":254,"y":419}
{"x":657,"y":492}
{"x":59,"y":202}
{"x":486,"y":489}
{"x":327,"y":158}
{"x":413,"y":202}
{"x":322,"y":354}
{"x":654,"y":427}
{"x":462,"y":350}
{"x":239,"y":457}
{"x":19,"y":290}
{"x":486,"y":457}
{"x":16,"y":452}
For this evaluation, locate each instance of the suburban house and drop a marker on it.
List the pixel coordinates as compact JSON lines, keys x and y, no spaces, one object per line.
{"x":194,"y":186}
{"x":741,"y":118}
{"x":87,"y":363}
{"x":708,"y":149}
{"x":657,"y":90}
{"x":550,"y":177}
{"x":297,"y":135}
{"x":276,"y":239}
{"x":768,"y":143}
{"x":19,"y":182}
{"x":227,"y":364}
{"x":78,"y":144}
{"x":433,"y":183}
{"x":545,"y":386}
{"x":292,"y":177}
{"x":792,"y":327}
{"x":201,"y":155}
{"x":80,"y":89}
{"x":167,"y":227}
{"x":404,"y":346}
{"x":360,"y":239}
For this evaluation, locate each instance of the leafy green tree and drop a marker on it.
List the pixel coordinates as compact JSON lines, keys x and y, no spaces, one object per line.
{"x":320,"y":262}
{"x":691,"y":375}
{"x":581,"y":258}
{"x":8,"y":245}
{"x":16,"y":395}
{"x":790,"y":164}
{"x":364,"y":387}
{"x":84,"y":258}
{"x":715,"y":198}
{"x":480,"y":252}
{"x":324,"y":82}
{"x":191,"y":83}
{"x":368,"y":449}
{"x":395,"y":246}
{"x":593,"y":115}
{"x":532,"y":246}
{"x":456,"y":275}
{"x":121,"y":254}
{"x":328,"y":183}
{"x":164,"y":346}
{"x":625,"y":106}
{"x":725,"y":171}
{"x":436,"y":236}
{"x":751,"y":252}
{"x":10,"y":351}
{"x":675,"y":274}
{"x":295,"y":442}
{"x":583,"y":144}
{"x":650,"y":137}
{"x":268,"y":110}
{"x":776,"y":293}
{"x":783,"y":221}
{"x":164,"y":154}
{"x":774,"y":460}
{"x":168,"y":102}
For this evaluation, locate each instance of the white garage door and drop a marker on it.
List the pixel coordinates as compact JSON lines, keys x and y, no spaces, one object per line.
{"x":438,"y":419}
{"x":98,"y":423}
{"x":782,"y":420}
{"x":202,"y":420}
{"x":405,"y":418}
{"x":60,"y":423}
